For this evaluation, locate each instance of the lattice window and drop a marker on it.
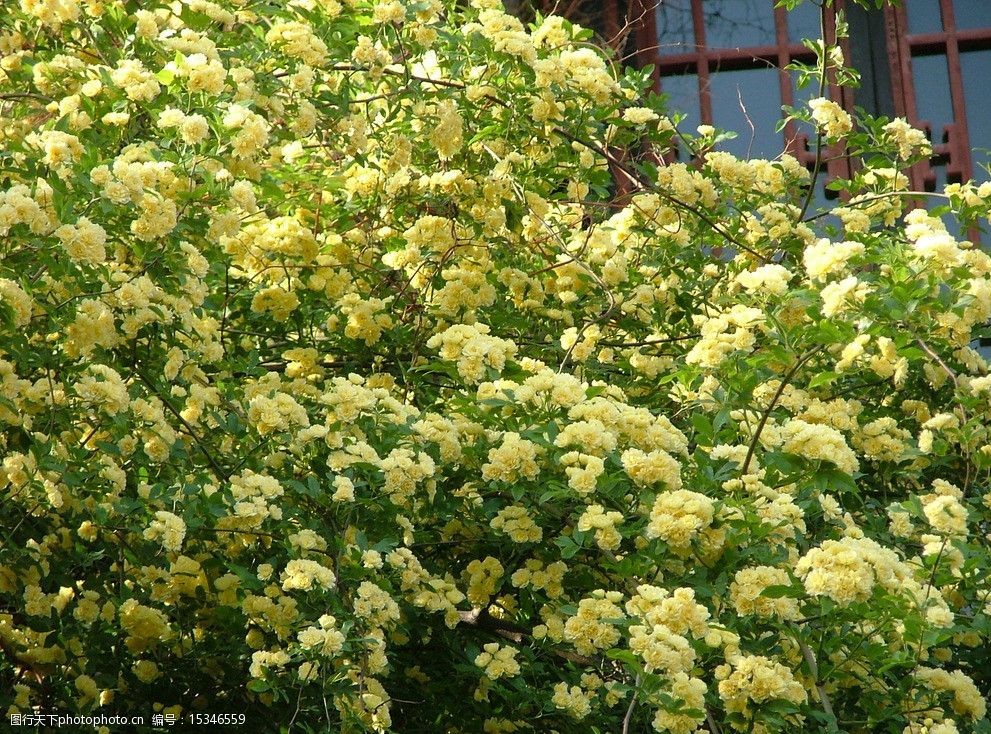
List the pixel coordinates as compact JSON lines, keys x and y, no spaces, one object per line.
{"x":722,"y":63}
{"x":940,"y":53}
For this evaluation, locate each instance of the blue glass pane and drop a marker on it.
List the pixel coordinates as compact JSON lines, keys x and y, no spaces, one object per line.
{"x":683,"y":96}
{"x":932,"y":92}
{"x":802,"y":96}
{"x":804,"y":22}
{"x":924,"y":16}
{"x":983,"y":347}
{"x":951,"y":223}
{"x":675,"y":30}
{"x":935,"y":106}
{"x":823,"y":203}
{"x":739,"y":23}
{"x":976,"y":68}
{"x":748,"y":102}
{"x":972,"y":13}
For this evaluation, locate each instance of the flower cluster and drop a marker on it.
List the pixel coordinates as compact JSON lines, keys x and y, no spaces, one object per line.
{"x":371,"y":364}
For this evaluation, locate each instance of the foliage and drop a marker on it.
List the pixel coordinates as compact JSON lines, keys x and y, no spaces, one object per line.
{"x":364,"y":367}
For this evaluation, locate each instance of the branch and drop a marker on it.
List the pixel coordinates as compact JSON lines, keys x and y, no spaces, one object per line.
{"x":633,"y":703}
{"x":878,"y":197}
{"x":218,"y":472}
{"x":649,"y":342}
{"x":25,"y":95}
{"x":822,"y":93}
{"x":634,"y":176}
{"x":481,"y":619}
{"x":713,"y":726}
{"x":939,"y":360}
{"x":956,"y":387}
{"x":641,"y":180}
{"x":823,"y":698}
{"x":774,"y":401}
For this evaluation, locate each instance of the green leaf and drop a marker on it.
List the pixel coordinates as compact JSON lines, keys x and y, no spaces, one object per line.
{"x":823,"y":378}
{"x":568,"y":547}
{"x":624,"y":656}
{"x":778,"y":591}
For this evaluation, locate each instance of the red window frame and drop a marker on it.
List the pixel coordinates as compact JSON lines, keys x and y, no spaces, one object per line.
{"x":705,"y":61}
{"x":953,"y":147}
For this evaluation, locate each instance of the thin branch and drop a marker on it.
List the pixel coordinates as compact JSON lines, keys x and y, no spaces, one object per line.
{"x":481,"y":619}
{"x":936,"y":358}
{"x":649,"y":342}
{"x":770,"y":406}
{"x":634,"y":176}
{"x":218,"y":472}
{"x":750,"y":123}
{"x":822,"y":92}
{"x":878,"y":197}
{"x":641,"y":180}
{"x":25,"y":95}
{"x":633,"y":703}
{"x":827,"y":707}
{"x":956,"y":386}
{"x":713,"y":726}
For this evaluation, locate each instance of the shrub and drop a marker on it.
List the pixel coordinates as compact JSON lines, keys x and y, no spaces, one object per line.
{"x":365,"y":368}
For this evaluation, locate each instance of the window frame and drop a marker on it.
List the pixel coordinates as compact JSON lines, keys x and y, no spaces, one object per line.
{"x":952,"y":149}
{"x":706,"y":60}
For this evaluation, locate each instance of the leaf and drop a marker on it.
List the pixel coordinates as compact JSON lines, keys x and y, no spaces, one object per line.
{"x":780,"y":706}
{"x":108,"y":447}
{"x":313,"y":486}
{"x":703,"y":429}
{"x":913,"y":506}
{"x":823,"y":378}
{"x":568,"y":547}
{"x":624,"y":656}
{"x":778,"y":591}
{"x":385,"y":545}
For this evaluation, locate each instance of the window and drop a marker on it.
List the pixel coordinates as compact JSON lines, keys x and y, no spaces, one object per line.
{"x":722,"y":63}
{"x":940,"y":54}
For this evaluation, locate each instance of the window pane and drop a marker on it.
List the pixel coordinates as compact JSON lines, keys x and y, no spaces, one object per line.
{"x":924,"y":16}
{"x":739,"y":23}
{"x":748,"y":102}
{"x":675,"y":31}
{"x":976,"y":68}
{"x":683,"y":96}
{"x":932,"y":93}
{"x":801,"y":97}
{"x":803,"y":22}
{"x":972,"y":13}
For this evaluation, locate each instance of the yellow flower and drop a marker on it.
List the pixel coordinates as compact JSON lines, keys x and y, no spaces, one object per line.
{"x":757,"y":679}
{"x":515,"y":521}
{"x":145,"y":670}
{"x":604,"y":524}
{"x":678,"y":517}
{"x":304,"y":574}
{"x":516,"y":457}
{"x":167,"y":527}
{"x":832,"y":119}
{"x":498,"y":661}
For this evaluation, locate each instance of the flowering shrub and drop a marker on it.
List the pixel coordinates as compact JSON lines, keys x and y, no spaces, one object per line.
{"x":343,"y":386}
